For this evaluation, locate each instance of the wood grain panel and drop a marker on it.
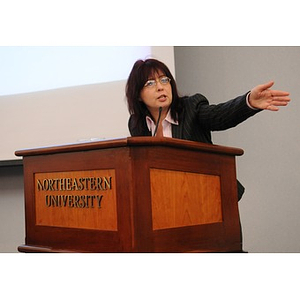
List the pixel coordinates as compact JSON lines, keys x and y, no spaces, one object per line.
{"x":184,"y":199}
{"x":78,"y":199}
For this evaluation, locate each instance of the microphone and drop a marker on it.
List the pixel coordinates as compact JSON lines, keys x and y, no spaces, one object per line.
{"x":157,"y":124}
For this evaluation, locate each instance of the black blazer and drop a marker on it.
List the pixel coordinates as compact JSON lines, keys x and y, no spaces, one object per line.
{"x":198,"y":118}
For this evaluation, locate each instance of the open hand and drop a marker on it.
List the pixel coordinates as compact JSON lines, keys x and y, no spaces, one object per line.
{"x":261,"y":97}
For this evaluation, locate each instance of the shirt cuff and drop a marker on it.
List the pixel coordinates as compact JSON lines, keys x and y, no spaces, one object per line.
{"x":248,"y":103}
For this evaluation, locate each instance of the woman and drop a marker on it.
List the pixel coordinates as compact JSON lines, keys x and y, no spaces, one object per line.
{"x":156,"y":108}
{"x":151,"y":86}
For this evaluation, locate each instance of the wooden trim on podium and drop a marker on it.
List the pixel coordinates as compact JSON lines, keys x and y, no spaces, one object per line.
{"x":131,"y":141}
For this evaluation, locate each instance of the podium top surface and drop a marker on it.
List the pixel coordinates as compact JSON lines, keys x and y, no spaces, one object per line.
{"x":131,"y":142}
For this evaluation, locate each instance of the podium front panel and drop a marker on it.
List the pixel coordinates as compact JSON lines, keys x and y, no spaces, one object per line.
{"x":191,"y":197}
{"x":78,"y":201}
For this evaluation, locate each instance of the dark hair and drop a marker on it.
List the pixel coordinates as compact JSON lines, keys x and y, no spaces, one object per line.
{"x":138,"y":76}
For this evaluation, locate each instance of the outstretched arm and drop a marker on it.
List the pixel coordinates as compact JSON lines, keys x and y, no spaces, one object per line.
{"x":261,"y":97}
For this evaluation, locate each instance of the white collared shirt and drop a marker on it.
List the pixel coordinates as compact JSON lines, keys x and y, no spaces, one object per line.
{"x":166,"y":123}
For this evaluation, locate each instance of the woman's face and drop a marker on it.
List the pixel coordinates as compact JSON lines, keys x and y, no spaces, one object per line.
{"x":157,"y":92}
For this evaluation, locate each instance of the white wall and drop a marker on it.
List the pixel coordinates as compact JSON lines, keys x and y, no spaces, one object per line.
{"x":270,"y":167}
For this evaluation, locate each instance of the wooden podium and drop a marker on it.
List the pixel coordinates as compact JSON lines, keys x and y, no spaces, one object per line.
{"x":137,"y":194}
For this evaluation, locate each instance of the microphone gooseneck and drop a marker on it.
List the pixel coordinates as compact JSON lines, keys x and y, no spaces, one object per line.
{"x":157,"y":124}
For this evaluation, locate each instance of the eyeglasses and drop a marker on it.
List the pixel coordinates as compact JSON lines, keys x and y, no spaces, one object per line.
{"x":164,"y":80}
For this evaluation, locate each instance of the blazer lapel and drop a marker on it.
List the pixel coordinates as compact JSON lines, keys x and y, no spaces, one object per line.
{"x":177,"y":131}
